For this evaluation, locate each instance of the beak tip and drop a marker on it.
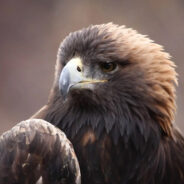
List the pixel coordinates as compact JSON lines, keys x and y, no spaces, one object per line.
{"x":63,"y":85}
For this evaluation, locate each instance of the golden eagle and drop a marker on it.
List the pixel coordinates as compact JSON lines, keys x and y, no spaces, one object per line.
{"x":114,"y":98}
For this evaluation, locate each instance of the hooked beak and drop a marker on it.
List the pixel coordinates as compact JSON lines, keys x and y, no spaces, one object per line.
{"x":72,"y":77}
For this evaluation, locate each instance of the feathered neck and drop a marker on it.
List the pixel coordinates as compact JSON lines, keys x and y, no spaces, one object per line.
{"x":124,"y":121}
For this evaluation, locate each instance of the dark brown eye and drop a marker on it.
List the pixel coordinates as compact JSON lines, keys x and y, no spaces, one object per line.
{"x":108,"y":67}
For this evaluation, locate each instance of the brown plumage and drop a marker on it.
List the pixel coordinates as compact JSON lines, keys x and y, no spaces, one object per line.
{"x":34,"y":151}
{"x":114,"y":97}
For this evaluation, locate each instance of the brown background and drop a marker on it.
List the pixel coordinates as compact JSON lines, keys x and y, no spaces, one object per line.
{"x":31,"y":31}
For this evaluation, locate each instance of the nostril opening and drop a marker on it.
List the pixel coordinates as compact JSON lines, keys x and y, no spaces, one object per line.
{"x":78,"y":69}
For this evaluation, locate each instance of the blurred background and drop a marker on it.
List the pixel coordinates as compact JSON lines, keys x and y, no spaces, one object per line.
{"x":31,"y":31}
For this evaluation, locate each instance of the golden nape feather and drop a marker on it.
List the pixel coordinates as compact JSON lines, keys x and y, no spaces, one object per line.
{"x":35,"y":151}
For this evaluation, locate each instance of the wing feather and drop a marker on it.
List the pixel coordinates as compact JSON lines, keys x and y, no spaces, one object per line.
{"x":35,"y":151}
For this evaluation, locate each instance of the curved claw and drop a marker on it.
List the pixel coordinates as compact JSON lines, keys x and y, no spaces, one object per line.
{"x":34,"y":151}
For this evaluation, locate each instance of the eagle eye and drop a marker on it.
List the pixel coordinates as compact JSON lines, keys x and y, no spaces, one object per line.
{"x":108,"y":67}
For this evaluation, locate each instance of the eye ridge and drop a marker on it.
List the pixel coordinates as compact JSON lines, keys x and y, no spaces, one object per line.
{"x":108,"y":67}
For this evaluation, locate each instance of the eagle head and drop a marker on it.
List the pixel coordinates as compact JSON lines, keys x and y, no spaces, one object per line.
{"x":115,"y":71}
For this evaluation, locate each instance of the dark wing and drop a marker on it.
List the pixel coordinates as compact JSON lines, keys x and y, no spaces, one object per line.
{"x":34,"y":151}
